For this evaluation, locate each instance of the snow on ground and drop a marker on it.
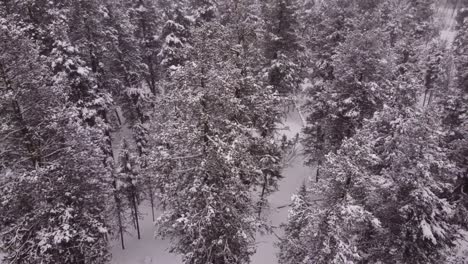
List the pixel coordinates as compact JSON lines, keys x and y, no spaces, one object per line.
{"x":294,"y":176}
{"x":462,"y":248}
{"x":445,"y":15}
{"x":147,"y":250}
{"x":150,"y":250}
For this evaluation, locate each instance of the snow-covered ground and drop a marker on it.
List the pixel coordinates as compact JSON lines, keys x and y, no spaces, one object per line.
{"x":150,"y":250}
{"x":294,"y":175}
{"x":147,"y":250}
{"x":446,"y":14}
{"x":462,"y":249}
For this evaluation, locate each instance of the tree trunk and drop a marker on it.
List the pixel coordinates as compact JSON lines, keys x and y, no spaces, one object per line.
{"x":317,"y":172}
{"x":135,"y":212}
{"x":262,"y":195}
{"x":119,"y":219}
{"x":151,"y":194}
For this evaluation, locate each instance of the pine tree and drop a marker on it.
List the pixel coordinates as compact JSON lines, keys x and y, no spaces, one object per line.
{"x":74,"y":40}
{"x":145,"y":16}
{"x":210,"y":208}
{"x":385,"y":194}
{"x":204,"y":10}
{"x":356,"y":85}
{"x":208,"y":166}
{"x":455,"y":103}
{"x":282,"y":45}
{"x":130,"y":184}
{"x":262,"y":104}
{"x":175,"y":36}
{"x":51,"y":210}
{"x":293,"y":244}
{"x":349,"y":82}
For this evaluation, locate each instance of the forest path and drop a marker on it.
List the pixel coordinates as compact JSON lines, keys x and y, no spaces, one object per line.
{"x":294,"y":175}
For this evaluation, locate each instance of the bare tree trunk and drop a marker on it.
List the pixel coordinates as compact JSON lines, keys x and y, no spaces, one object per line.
{"x":135,"y":212}
{"x":262,"y":195}
{"x":431,"y":96}
{"x":151,"y":194}
{"x":119,"y":219}
{"x":425,"y":96}
{"x":317,"y":172}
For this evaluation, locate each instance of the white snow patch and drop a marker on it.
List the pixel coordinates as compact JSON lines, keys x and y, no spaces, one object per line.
{"x":427,"y":231}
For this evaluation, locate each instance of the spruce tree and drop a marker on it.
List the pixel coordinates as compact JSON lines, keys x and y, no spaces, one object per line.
{"x":455,"y":103}
{"x":360,"y":66}
{"x":282,"y":45}
{"x":53,"y":184}
{"x":294,"y":243}
{"x":385,"y":194}
{"x":215,"y":142}
{"x":208,"y":207}
{"x":262,"y":104}
{"x":175,"y":39}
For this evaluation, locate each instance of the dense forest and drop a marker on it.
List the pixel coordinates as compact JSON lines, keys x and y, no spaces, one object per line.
{"x":109,"y":104}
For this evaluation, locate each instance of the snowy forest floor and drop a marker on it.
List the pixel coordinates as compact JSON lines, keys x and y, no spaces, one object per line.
{"x":151,"y":250}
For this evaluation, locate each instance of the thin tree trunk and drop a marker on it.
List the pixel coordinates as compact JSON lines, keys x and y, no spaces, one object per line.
{"x":425,"y":96}
{"x":431,"y":96}
{"x":150,"y":189}
{"x":262,"y":195}
{"x":135,"y":212}
{"x":119,"y":219}
{"x":317,"y":173}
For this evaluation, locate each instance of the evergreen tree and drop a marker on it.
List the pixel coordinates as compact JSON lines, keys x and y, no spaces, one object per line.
{"x":282,"y":45}
{"x":350,"y":82}
{"x":129,"y":182}
{"x":209,"y":208}
{"x":385,"y":194}
{"x":211,"y":155}
{"x":175,"y":36}
{"x":455,"y":103}
{"x":51,"y":205}
{"x":204,"y":10}
{"x":262,"y":105}
{"x":145,"y":17}
{"x":293,"y":245}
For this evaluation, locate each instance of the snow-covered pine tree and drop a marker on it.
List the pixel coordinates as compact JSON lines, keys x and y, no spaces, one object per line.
{"x":205,"y":160}
{"x":145,"y":17}
{"x":204,"y":10}
{"x":119,"y":208}
{"x":434,"y":73}
{"x":85,"y":41}
{"x":293,"y":246}
{"x":130,"y":182}
{"x":282,"y":44}
{"x":333,"y":19}
{"x":455,"y":105}
{"x":386,"y":193}
{"x":51,"y":206}
{"x":175,"y":38}
{"x":94,"y":30}
{"x":412,"y":26}
{"x":125,"y":72}
{"x":349,"y":82}
{"x":262,"y":105}
{"x":398,"y":160}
